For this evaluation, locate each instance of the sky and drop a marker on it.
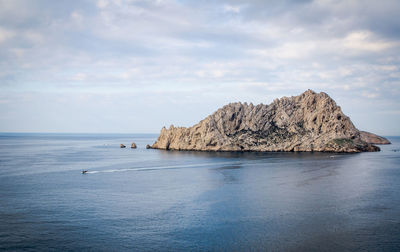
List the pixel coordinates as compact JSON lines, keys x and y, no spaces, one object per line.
{"x":127,"y":66}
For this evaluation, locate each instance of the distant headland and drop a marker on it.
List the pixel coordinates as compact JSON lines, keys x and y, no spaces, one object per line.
{"x":307,"y":122}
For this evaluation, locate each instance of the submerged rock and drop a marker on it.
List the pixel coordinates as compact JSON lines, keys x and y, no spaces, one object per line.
{"x":148,"y":146}
{"x":133,"y":146}
{"x":122,"y":146}
{"x":308,"y":122}
{"x":372,"y":138}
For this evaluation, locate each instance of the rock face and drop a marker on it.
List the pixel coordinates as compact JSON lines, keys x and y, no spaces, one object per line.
{"x":308,"y":122}
{"x":133,"y":146}
{"x":372,"y":138}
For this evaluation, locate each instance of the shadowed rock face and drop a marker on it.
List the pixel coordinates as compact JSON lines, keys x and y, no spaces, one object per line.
{"x":308,"y":122}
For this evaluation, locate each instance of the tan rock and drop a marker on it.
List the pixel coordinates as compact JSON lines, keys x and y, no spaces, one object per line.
{"x":372,"y":138}
{"x":122,"y":146}
{"x":308,"y":122}
{"x":133,"y":146}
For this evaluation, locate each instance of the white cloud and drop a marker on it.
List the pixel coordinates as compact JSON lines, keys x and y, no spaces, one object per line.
{"x":6,"y":34}
{"x":388,"y":68}
{"x":18,"y":52}
{"x":292,"y":50}
{"x":77,"y":17}
{"x":34,"y":36}
{"x":101,"y":4}
{"x":364,"y":40}
{"x":231,"y":8}
{"x":79,"y":77}
{"x":369,"y":94}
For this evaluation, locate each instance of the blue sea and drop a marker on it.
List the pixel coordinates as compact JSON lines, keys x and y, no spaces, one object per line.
{"x":154,"y":200}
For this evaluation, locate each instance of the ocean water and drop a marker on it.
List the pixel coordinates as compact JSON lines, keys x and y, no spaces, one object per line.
{"x":153,"y":200}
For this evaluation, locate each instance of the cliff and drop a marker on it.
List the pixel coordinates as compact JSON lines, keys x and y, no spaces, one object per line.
{"x":308,"y":122}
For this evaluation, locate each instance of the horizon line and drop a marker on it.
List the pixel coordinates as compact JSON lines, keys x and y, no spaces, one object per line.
{"x":42,"y":132}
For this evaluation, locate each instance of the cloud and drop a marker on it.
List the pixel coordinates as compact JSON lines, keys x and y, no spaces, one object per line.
{"x":101,"y":4}
{"x":5,"y":34}
{"x":231,"y":8}
{"x":203,"y":51}
{"x":369,"y":95}
{"x":361,"y":40}
{"x":77,"y":17}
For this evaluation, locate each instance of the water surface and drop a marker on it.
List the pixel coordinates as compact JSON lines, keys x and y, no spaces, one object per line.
{"x":153,"y":200}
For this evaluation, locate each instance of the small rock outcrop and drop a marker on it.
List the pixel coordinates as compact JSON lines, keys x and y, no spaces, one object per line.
{"x":122,"y":146}
{"x":308,"y":122}
{"x":372,"y":138}
{"x":133,"y":146}
{"x":148,"y":146}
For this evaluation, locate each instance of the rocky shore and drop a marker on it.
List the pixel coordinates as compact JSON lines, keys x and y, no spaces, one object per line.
{"x":307,"y":122}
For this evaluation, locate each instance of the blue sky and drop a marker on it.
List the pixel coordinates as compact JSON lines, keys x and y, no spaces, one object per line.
{"x":135,"y":66}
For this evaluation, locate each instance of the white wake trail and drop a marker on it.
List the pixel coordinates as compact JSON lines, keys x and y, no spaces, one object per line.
{"x":163,"y":167}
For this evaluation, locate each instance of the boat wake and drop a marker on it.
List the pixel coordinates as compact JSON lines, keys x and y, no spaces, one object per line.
{"x":162,"y":167}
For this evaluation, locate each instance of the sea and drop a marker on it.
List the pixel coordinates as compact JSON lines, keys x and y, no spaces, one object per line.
{"x":155,"y":200}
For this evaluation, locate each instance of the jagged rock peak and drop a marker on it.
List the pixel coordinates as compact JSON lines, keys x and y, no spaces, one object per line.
{"x":307,"y":122}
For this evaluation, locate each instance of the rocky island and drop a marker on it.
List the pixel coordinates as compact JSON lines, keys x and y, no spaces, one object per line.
{"x":307,"y":122}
